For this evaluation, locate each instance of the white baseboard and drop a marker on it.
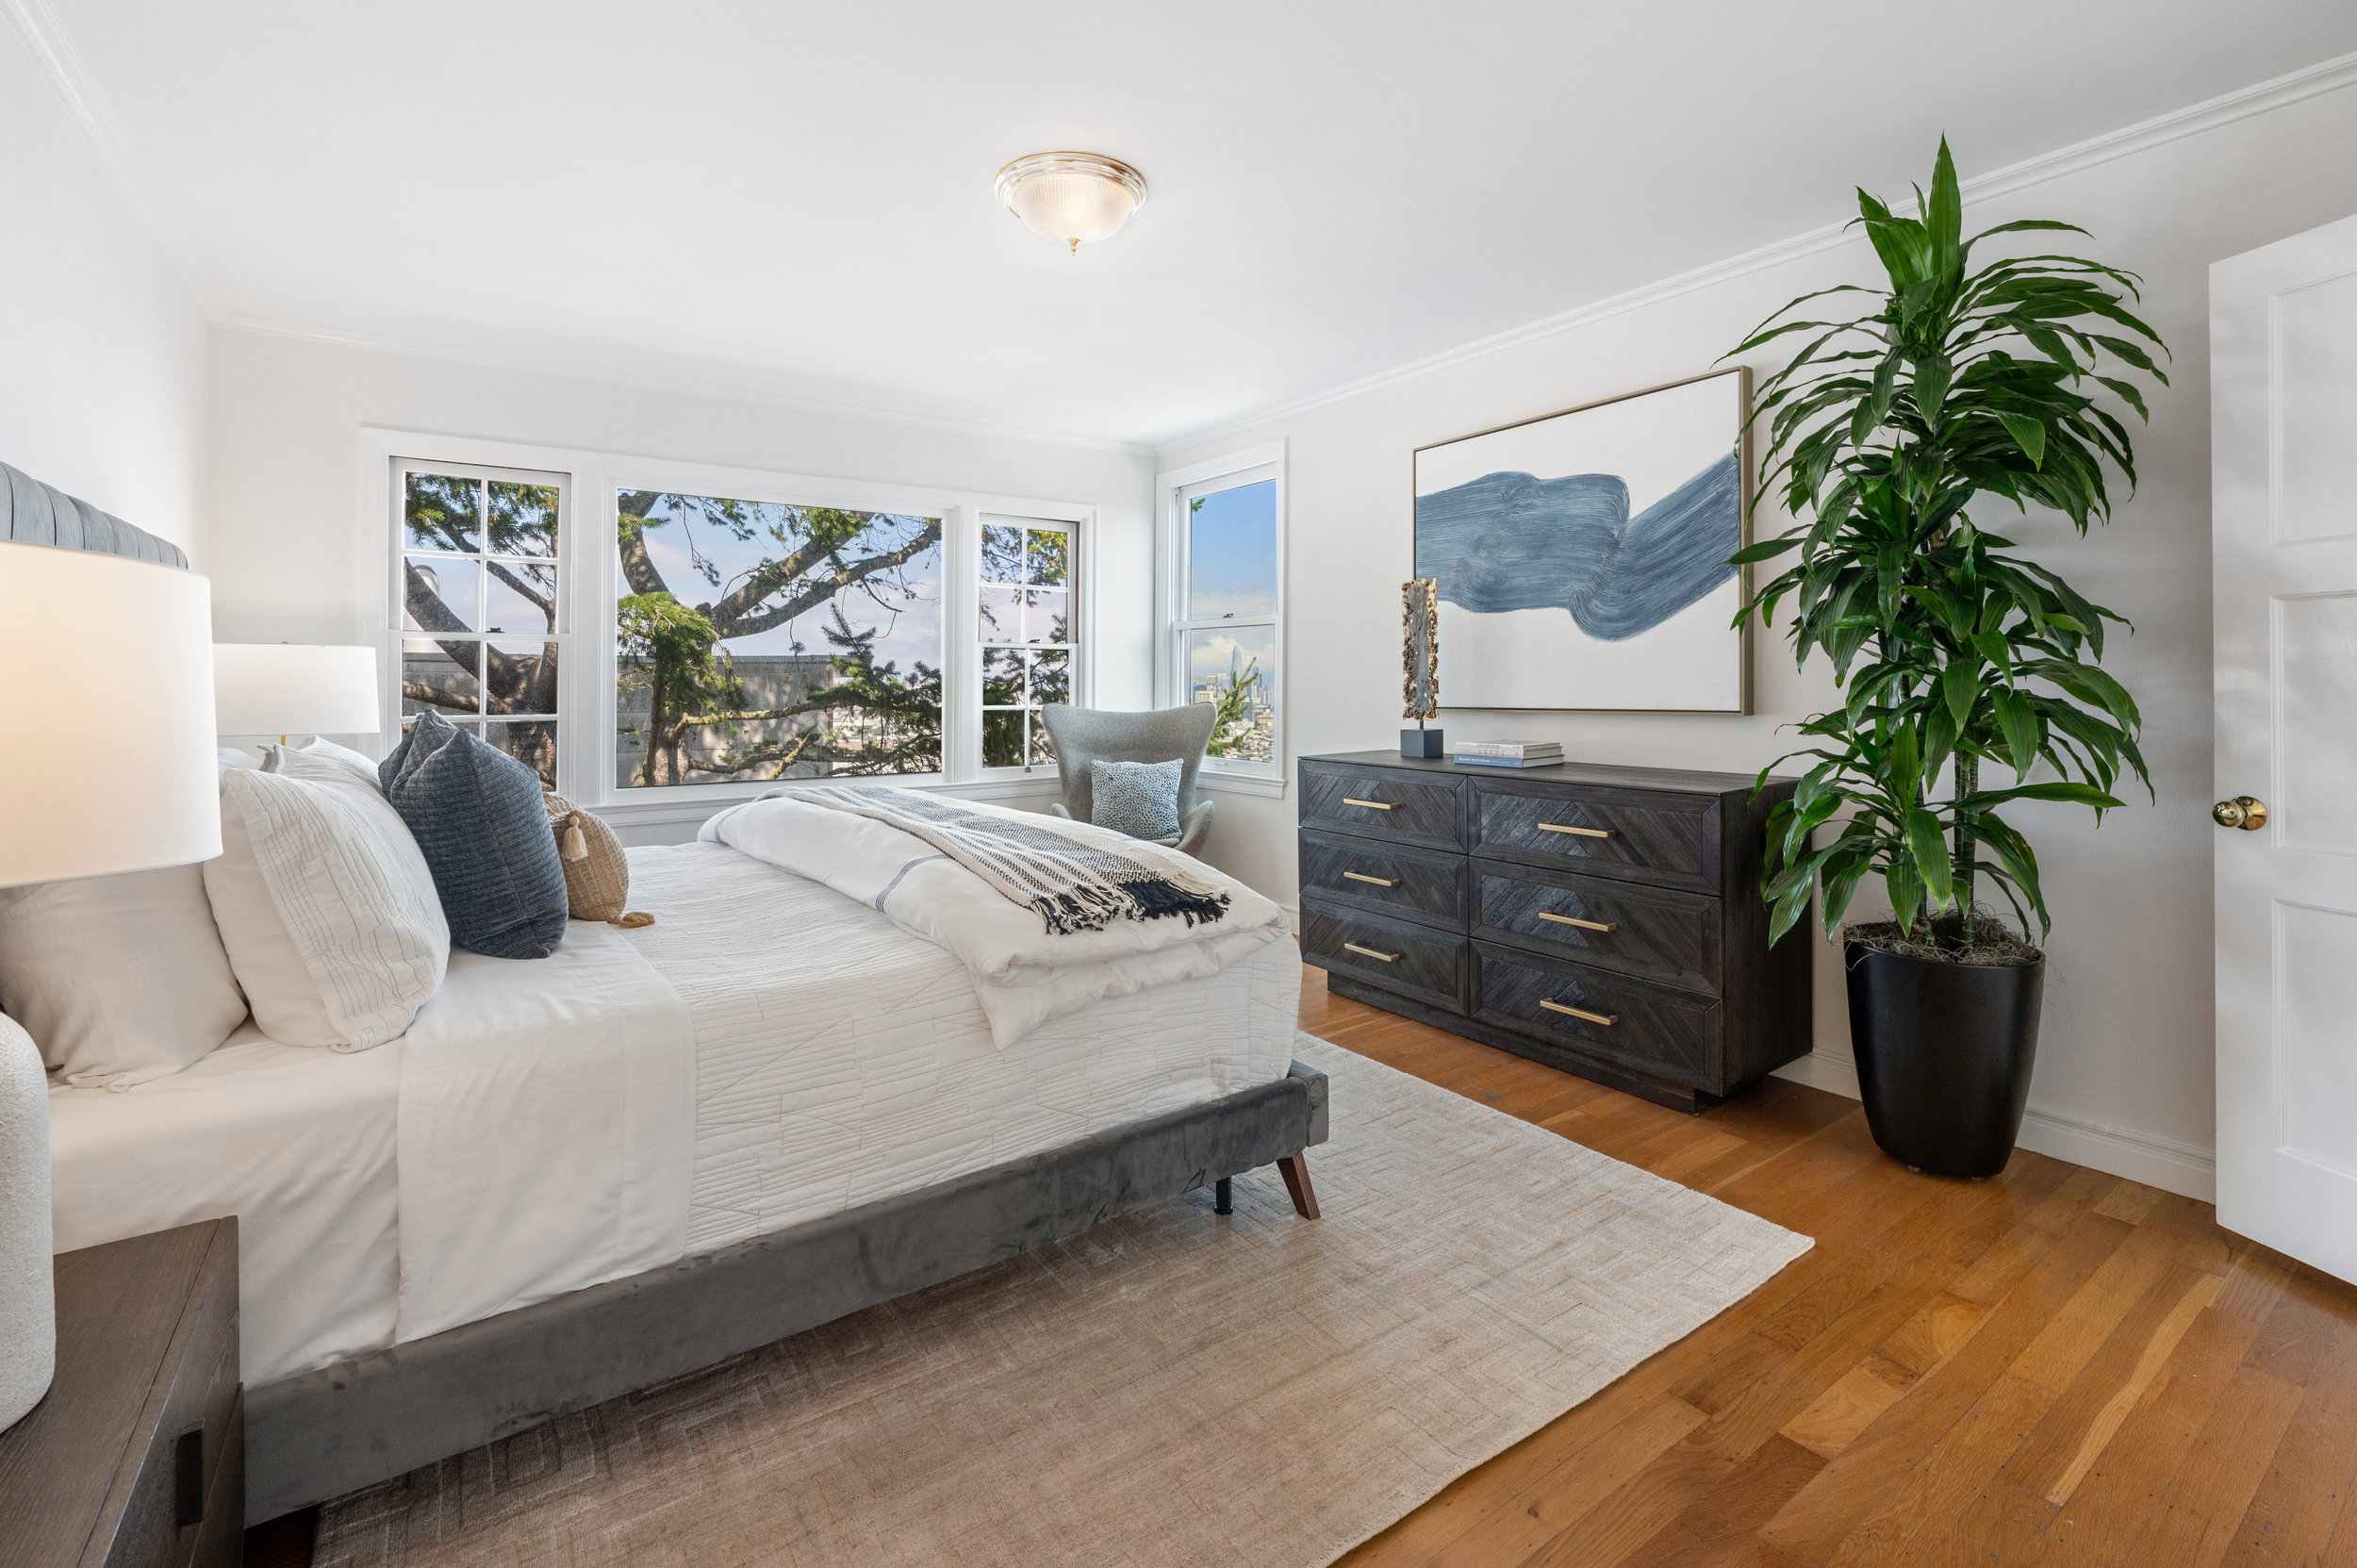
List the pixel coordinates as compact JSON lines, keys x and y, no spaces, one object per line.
{"x":2185,"y":1169}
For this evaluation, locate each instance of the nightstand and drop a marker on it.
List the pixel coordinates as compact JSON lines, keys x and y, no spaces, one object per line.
{"x":137,"y":1454}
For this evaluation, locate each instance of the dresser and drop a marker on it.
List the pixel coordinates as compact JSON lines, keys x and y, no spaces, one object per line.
{"x":136,"y":1456}
{"x":1603,"y":920}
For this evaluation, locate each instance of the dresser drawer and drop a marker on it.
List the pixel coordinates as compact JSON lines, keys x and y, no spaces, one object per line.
{"x":1669,"y":839}
{"x":195,"y":1450}
{"x":1663,"y":1032}
{"x":1427,"y":886}
{"x":1652,"y":932}
{"x":1414,"y":960}
{"x":1394,"y":804}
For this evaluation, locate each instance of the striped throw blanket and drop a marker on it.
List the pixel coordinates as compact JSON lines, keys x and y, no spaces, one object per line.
{"x":1074,"y":887}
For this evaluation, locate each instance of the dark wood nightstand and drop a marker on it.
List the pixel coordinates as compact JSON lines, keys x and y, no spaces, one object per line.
{"x":137,"y":1454}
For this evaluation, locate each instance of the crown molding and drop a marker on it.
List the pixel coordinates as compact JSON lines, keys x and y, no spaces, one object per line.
{"x":2243,"y":103}
{"x":52,"y":50}
{"x":681,"y":386}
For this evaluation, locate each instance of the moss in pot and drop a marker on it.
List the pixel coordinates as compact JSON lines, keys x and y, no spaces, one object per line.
{"x":1954,"y":385}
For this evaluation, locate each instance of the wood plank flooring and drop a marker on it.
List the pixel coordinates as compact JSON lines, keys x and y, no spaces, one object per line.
{"x":2055,"y":1367}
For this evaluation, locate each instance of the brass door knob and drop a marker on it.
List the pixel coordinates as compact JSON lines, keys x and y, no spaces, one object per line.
{"x":2246,"y":812}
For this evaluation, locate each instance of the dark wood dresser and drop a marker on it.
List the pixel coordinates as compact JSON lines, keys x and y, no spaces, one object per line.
{"x":136,"y":1453}
{"x":1603,"y":920}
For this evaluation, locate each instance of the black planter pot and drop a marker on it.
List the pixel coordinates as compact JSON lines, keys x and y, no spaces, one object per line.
{"x":1944,"y":1052}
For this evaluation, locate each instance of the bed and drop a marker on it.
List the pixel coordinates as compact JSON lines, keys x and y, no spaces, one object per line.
{"x":847,"y":1130}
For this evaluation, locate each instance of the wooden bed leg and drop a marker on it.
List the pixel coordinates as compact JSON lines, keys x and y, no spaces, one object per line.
{"x":1222,"y":1201}
{"x":1294,"y":1168}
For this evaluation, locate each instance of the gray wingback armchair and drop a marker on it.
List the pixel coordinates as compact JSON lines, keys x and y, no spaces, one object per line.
{"x":1083,"y":736}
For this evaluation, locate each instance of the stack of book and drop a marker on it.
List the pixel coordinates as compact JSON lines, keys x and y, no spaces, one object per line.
{"x":1509,"y":753}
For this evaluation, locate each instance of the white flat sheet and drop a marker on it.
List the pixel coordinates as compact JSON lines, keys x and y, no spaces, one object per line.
{"x":546,"y":1121}
{"x":837,"y":1060}
{"x":295,"y":1141}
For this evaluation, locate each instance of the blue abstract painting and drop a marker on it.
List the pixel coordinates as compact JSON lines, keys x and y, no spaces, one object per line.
{"x":1582,"y":558}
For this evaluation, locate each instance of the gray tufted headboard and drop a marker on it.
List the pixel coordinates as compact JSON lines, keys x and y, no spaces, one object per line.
{"x":33,"y":512}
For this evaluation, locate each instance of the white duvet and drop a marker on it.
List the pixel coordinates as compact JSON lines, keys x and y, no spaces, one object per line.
{"x":1023,"y":974}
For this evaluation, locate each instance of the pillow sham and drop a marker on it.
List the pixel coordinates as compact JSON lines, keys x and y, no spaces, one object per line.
{"x":320,"y":749}
{"x":597,"y":874}
{"x":120,"y":980}
{"x":477,"y":816}
{"x":325,"y":905}
{"x":1139,"y":798}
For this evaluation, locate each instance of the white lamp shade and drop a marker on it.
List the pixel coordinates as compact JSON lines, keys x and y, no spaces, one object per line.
{"x":107,"y":738}
{"x":283,"y":689}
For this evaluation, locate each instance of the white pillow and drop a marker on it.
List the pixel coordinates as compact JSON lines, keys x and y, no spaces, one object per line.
{"x":120,"y":979}
{"x":283,"y":759}
{"x":324,"y":904}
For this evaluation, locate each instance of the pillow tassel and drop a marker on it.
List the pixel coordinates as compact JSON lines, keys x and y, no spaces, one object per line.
{"x":576,"y":843}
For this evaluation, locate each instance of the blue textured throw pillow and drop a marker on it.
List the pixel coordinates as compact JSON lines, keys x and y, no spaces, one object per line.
{"x":1140,"y":798}
{"x":476,"y":815}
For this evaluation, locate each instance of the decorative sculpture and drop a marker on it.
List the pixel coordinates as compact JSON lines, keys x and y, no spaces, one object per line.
{"x":1420,"y":666}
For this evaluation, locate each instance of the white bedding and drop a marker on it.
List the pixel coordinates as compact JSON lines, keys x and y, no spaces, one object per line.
{"x":836,"y":1060}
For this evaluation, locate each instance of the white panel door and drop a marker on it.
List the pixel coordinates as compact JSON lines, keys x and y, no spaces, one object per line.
{"x":2283,"y":450}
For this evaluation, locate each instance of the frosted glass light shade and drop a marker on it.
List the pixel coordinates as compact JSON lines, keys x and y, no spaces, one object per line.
{"x":283,"y":689}
{"x":1072,"y":198}
{"x":107,"y":738}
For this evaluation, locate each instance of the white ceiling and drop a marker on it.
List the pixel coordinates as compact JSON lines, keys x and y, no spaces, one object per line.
{"x":796,"y":199}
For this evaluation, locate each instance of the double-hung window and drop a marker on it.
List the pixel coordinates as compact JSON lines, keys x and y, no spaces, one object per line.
{"x":1225,"y":601}
{"x":1023,"y":621}
{"x":477,"y":612}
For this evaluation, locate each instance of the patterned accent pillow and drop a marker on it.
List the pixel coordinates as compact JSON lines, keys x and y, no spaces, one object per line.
{"x":477,"y":815}
{"x":1139,"y":798}
{"x":597,"y":874}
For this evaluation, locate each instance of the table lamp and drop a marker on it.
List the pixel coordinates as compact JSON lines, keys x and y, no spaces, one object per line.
{"x":107,"y":764}
{"x":283,"y":689}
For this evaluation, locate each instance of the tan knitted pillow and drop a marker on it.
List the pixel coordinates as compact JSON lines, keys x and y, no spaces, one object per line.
{"x":597,"y":875}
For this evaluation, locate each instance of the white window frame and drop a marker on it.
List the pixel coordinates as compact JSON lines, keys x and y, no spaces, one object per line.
{"x":1082,"y":579}
{"x":1173,"y":490}
{"x":590,"y":572}
{"x":397,"y":596}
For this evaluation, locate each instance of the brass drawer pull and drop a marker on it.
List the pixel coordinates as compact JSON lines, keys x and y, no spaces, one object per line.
{"x":1380,"y":882}
{"x":1575,"y":920}
{"x":1371,"y":805}
{"x":1388,"y":958}
{"x":1583,"y":832}
{"x":1603,"y":1018}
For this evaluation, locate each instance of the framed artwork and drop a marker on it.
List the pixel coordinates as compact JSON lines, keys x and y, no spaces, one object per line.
{"x":1580,"y":557}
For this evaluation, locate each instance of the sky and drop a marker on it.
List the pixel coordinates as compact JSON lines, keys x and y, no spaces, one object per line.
{"x":1231,"y":552}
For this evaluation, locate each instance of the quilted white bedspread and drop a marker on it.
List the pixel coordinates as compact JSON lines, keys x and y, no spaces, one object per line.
{"x":840,"y":1060}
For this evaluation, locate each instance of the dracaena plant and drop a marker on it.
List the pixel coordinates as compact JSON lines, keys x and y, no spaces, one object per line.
{"x":1958,"y":389}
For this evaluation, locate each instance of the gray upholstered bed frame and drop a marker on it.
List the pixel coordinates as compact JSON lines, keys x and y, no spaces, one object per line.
{"x":376,"y":1416}
{"x":367,"y":1419}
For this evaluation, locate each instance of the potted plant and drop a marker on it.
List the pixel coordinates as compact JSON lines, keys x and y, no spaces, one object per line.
{"x":1957,"y":385}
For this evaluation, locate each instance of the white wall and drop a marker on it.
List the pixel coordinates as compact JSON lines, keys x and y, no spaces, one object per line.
{"x":101,"y":348}
{"x":2124,"y":1072}
{"x":296,"y":547}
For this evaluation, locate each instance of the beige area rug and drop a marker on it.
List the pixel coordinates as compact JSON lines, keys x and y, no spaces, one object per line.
{"x":1170,"y":1388}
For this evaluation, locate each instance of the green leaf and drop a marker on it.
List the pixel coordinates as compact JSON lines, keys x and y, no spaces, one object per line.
{"x":2018,"y":719}
{"x":1930,"y":850}
{"x":1764,"y":550}
{"x":1906,"y":893}
{"x":2027,"y":434}
{"x":1960,"y":687}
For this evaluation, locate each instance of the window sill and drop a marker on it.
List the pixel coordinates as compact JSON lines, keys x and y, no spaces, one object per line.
{"x":657,"y":814}
{"x":1271,"y":785}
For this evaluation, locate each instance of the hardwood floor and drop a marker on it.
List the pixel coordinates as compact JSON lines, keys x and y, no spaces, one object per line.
{"x":2051,"y":1368}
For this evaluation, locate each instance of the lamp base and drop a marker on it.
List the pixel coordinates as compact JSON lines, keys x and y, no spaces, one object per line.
{"x":1420,"y":742}
{"x":28,"y":1315}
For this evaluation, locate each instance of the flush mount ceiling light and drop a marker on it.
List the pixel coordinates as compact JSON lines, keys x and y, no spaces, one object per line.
{"x":1071,"y":197}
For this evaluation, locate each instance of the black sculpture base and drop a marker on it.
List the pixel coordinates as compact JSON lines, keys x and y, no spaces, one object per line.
{"x":1420,"y":743}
